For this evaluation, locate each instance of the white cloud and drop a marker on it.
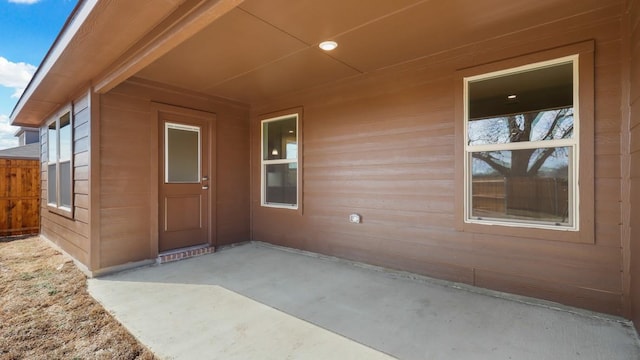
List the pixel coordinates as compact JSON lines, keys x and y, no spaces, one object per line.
{"x":28,"y":2}
{"x":7,"y":140}
{"x":15,"y":75}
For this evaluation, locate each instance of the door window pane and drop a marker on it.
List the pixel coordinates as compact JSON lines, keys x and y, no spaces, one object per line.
{"x":182,"y":154}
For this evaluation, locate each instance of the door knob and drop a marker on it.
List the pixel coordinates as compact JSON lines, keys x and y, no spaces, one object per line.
{"x":205,"y":187}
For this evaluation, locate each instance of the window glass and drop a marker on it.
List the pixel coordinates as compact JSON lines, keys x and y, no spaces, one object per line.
{"x":65,"y":184}
{"x":537,"y":189}
{"x":546,"y":87}
{"x":52,"y":142}
{"x":521,"y":146}
{"x":52,"y":184}
{"x":183,"y":154}
{"x":59,"y":168}
{"x":281,"y":184}
{"x":280,"y":139}
{"x":529,"y":126}
{"x":65,"y":137}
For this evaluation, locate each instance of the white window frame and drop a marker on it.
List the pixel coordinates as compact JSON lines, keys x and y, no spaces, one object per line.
{"x":573,"y":143}
{"x":57,"y":206}
{"x":264,"y":163}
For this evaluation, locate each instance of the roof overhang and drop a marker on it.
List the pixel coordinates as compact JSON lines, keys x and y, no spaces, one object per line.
{"x":254,"y":51}
{"x":105,"y":42}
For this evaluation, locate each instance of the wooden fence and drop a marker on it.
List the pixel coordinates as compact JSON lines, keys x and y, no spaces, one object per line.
{"x":544,"y":197}
{"x":19,"y":197}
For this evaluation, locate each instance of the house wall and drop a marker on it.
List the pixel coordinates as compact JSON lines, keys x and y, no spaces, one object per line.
{"x":28,"y":136}
{"x":634,"y":102}
{"x":382,"y":145}
{"x":70,"y":234}
{"x":128,"y":170}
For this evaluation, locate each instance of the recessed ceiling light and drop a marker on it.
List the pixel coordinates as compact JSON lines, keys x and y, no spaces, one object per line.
{"x":328,"y":45}
{"x":511,"y":97}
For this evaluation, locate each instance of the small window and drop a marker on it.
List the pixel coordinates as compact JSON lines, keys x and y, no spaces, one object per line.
{"x":280,"y":154}
{"x":59,"y":163}
{"x":521,"y":146}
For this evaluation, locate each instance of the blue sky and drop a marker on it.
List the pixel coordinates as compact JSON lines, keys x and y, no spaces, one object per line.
{"x":27,"y":31}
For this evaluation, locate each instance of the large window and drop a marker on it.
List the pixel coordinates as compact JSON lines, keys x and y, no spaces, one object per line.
{"x":59,"y":165}
{"x":521,"y":145}
{"x":525,"y":147}
{"x":280,"y":154}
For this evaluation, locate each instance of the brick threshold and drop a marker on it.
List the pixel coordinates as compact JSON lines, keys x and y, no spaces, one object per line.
{"x":184,"y":253}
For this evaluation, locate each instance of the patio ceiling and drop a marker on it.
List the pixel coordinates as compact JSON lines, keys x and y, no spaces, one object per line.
{"x":264,"y":49}
{"x":254,"y":50}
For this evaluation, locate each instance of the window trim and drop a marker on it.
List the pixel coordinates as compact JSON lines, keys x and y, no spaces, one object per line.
{"x":66,"y":211}
{"x":276,"y":116}
{"x":583,"y":170}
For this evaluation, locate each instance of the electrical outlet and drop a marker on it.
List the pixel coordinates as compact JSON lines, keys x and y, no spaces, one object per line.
{"x":354,"y":218}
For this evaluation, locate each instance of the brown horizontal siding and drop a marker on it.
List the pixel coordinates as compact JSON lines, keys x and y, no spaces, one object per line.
{"x":81,"y":201}
{"x":426,"y":204}
{"x":633,"y":22}
{"x":126,"y":238}
{"x":382,"y":145}
{"x":549,"y":289}
{"x":232,"y":186}
{"x":127,"y":150}
{"x":71,"y":234}
{"x":125,"y":167}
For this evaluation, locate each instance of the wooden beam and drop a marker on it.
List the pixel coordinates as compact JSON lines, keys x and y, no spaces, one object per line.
{"x":190,"y":18}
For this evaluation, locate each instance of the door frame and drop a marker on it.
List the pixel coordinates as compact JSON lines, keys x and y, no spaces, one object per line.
{"x":157,"y":130}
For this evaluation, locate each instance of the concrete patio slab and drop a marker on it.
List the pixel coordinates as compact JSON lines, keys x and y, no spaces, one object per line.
{"x":257,"y":301}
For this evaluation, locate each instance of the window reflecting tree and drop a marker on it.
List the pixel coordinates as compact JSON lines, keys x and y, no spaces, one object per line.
{"x":529,"y":127}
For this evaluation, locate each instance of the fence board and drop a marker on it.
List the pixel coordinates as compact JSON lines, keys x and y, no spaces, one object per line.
{"x":19,"y":197}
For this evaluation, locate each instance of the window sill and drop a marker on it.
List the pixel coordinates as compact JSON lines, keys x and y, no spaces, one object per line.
{"x":566,"y":234}
{"x":280,"y":206}
{"x":62,"y":211}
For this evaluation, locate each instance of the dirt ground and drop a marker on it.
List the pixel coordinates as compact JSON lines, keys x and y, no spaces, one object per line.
{"x":47,"y":313}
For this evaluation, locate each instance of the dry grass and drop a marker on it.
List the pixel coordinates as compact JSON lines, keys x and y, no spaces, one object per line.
{"x":47,"y":313}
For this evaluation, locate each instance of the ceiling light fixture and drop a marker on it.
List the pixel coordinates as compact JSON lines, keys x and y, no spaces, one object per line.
{"x":511,"y":97}
{"x":328,"y":45}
